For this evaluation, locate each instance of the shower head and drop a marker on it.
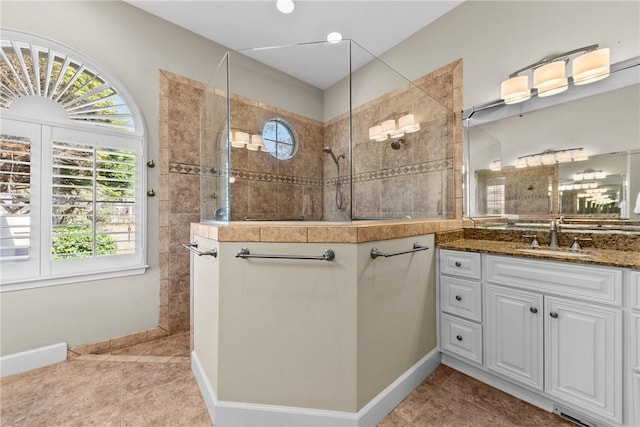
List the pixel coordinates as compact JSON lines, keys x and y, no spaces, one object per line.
{"x":329,"y":151}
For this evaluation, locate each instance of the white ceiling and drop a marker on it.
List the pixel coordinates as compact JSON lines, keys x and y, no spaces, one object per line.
{"x":243,"y":24}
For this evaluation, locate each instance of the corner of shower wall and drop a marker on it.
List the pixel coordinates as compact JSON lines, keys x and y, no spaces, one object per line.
{"x":411,"y":174}
{"x":214,"y":148}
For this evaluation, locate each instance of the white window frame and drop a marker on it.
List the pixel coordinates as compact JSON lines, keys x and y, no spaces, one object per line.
{"x":43,"y":124}
{"x":40,"y":270}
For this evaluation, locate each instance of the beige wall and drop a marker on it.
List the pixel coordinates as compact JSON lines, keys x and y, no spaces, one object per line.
{"x":493,"y":38}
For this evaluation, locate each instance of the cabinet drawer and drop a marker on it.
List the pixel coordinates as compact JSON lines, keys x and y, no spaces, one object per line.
{"x":461,"y":337}
{"x":598,"y":284}
{"x":461,"y":297}
{"x":634,"y":281}
{"x":458,"y":263}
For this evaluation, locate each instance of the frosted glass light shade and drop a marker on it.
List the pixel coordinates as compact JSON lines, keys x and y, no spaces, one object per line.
{"x":407,"y":123}
{"x":375,"y":133}
{"x":550,"y":79}
{"x":521,"y":163}
{"x":515,"y":89}
{"x":548,"y":158}
{"x":495,"y":165}
{"x":563,"y":156}
{"x":388,"y":126}
{"x":591,"y":67}
{"x":239,"y":139}
{"x":580,"y":155}
{"x":256,"y":143}
{"x":533,"y":161}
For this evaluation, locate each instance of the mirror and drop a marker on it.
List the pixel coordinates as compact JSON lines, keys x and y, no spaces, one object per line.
{"x":602,"y":118}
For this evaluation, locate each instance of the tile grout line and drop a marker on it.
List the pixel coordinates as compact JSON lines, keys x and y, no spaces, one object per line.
{"x":431,"y":397}
{"x":477,"y":406}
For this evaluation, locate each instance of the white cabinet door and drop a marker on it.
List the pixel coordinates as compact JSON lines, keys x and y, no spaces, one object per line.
{"x":514,"y":337}
{"x":584,"y":355}
{"x":636,"y":399}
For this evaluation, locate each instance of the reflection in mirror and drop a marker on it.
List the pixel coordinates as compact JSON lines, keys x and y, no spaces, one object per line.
{"x":510,"y":176}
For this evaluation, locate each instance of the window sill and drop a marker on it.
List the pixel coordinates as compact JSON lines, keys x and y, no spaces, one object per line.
{"x":19,"y":285}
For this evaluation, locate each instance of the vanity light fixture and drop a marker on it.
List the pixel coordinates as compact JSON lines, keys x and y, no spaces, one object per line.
{"x":240,"y":139}
{"x":495,"y":165}
{"x":285,"y":6}
{"x":589,"y":174}
{"x":394,"y":128}
{"x":551,"y":157}
{"x":549,"y":74}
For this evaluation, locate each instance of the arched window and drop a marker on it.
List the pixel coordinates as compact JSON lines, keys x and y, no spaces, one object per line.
{"x":71,"y":168}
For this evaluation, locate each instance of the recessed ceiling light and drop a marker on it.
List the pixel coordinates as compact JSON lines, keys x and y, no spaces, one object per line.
{"x":334,"y":37}
{"x":285,"y":6}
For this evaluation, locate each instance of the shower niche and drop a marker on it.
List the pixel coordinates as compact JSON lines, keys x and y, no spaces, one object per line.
{"x":326,"y":132}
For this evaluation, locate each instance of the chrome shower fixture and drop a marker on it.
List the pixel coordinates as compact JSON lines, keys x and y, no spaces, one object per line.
{"x":398,"y":143}
{"x":335,"y":159}
{"x":338,"y":184}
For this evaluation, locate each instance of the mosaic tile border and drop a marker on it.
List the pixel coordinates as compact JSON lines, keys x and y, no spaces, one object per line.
{"x":417,"y":168}
{"x":393,"y":172}
{"x":270,"y":177}
{"x":188,"y":169}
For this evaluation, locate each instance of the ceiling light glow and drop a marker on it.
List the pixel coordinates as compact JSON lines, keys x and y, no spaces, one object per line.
{"x":334,"y":37}
{"x":285,"y":6}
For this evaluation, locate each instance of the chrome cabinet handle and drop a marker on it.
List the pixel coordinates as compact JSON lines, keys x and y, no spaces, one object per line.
{"x":458,"y":264}
{"x":533,"y":310}
{"x":459,"y":337}
{"x":458,"y":298}
{"x":554,"y":315}
{"x":193,"y":247}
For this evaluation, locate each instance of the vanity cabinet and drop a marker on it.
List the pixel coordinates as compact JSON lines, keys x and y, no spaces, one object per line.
{"x":634,"y":341}
{"x":515,"y":334}
{"x":554,"y":328}
{"x":584,"y":355}
{"x":461,"y":304}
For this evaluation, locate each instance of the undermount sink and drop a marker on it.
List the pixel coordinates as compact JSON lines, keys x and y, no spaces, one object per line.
{"x":558,"y":252}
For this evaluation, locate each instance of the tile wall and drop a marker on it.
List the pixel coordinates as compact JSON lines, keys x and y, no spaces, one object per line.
{"x":178,"y":193}
{"x":266,"y":187}
{"x":422,"y":179}
{"x":526,"y":190}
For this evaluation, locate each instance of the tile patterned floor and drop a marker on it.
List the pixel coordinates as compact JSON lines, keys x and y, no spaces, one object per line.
{"x":151,"y":384}
{"x":450,"y":398}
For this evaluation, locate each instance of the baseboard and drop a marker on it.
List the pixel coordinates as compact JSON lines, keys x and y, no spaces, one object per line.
{"x":31,"y":359}
{"x":248,"y":414}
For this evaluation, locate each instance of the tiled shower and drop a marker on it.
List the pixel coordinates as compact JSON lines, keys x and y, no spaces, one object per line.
{"x":377,"y":181}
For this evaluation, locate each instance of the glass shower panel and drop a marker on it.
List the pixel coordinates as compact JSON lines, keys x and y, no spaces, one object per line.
{"x":214,"y":153}
{"x":402,"y":143}
{"x":277,"y":159}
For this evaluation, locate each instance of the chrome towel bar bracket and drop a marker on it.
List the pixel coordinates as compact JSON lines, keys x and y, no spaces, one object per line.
{"x":327,"y":255}
{"x":375,"y":253}
{"x":193,"y":247}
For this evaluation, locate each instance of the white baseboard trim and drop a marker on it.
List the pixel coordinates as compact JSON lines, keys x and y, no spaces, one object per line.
{"x":31,"y":359}
{"x":225,"y":414}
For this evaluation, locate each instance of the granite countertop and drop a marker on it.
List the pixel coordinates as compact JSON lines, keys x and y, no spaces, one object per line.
{"x":606,"y":257}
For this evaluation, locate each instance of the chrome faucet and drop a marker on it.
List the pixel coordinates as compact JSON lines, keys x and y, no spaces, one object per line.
{"x":554,"y":227}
